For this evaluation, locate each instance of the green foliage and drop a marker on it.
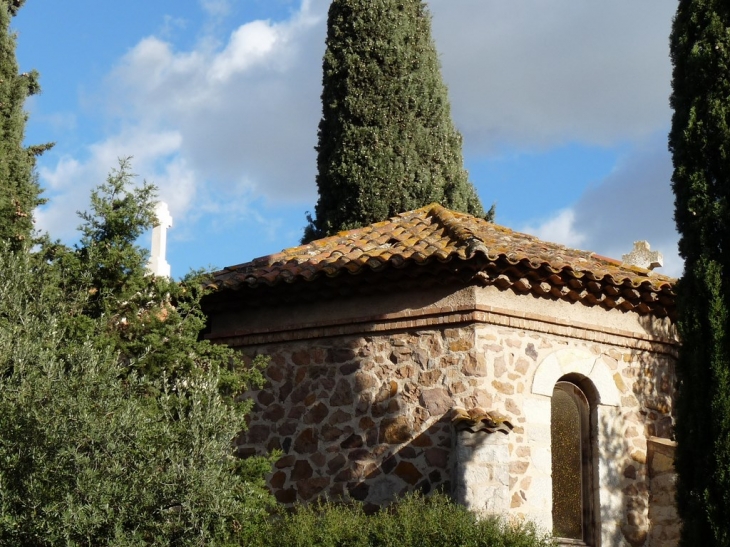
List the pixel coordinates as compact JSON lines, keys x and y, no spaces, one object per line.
{"x":120,"y":213}
{"x":414,"y":521}
{"x":326,"y":525}
{"x":116,"y":421}
{"x":19,"y":190}
{"x":700,"y":144}
{"x":126,"y":309}
{"x":386,"y":140}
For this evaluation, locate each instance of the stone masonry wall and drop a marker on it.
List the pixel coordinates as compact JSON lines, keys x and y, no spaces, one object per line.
{"x":644,"y":382}
{"x":665,"y":524}
{"x":367,"y":417}
{"x":480,"y":471}
{"x":364,"y":417}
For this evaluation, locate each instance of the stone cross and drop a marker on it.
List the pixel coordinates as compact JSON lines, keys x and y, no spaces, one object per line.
{"x":643,"y":257}
{"x":158,"y":265}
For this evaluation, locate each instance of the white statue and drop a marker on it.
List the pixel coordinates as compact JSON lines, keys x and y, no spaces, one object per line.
{"x":158,"y":265}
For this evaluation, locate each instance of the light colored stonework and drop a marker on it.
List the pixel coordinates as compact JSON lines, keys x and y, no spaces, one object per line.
{"x":358,"y":399}
{"x":583,"y":363}
{"x":665,"y":524}
{"x":481,"y":472}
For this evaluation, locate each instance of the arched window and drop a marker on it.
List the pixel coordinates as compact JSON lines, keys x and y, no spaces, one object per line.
{"x":572,"y":464}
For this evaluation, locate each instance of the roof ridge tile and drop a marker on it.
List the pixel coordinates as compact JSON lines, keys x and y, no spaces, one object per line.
{"x":463,"y":235}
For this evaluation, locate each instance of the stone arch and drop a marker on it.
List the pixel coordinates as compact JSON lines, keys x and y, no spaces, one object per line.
{"x":580,"y":362}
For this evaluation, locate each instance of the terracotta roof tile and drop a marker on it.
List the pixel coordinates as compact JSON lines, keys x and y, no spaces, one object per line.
{"x":433,"y":234}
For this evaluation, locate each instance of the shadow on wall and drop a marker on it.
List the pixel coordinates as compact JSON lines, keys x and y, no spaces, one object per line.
{"x":627,"y":436}
{"x":654,"y":389}
{"x":630,"y":498}
{"x":643,"y":484}
{"x":361,"y":418}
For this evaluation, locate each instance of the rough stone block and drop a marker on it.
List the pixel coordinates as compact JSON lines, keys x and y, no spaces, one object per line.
{"x":408,"y":472}
{"x":306,"y":442}
{"x":395,"y":430}
{"x":436,"y":401}
{"x":286,"y":496}
{"x":302,"y":470}
{"x":309,"y":488}
{"x":316,"y":414}
{"x":343,"y":395}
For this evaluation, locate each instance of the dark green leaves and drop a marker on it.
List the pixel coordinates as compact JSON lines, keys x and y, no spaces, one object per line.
{"x":386,"y":140}
{"x":700,"y":144}
{"x":117,"y":420}
{"x":19,"y":190}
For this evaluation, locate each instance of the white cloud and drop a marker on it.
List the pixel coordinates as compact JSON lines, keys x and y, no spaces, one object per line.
{"x":216,"y":8}
{"x":235,"y":117}
{"x":247,"y":111}
{"x":530,"y":75}
{"x":558,"y":228}
{"x":209,"y":126}
{"x":633,"y":203}
{"x":249,"y":44}
{"x":539,"y":73}
{"x":155,"y":157}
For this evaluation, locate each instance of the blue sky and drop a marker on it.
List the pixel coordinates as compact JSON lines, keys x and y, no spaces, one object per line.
{"x":563,"y":107}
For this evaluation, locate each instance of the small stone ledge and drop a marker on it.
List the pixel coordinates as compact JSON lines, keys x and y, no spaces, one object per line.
{"x":479,"y":420}
{"x":660,"y":455}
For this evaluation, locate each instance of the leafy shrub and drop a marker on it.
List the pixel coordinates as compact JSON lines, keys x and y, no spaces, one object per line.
{"x":116,"y":421}
{"x":89,"y":457}
{"x":413,"y":521}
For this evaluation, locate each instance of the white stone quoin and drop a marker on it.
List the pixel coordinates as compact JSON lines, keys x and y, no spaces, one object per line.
{"x":158,"y":265}
{"x":481,"y":472}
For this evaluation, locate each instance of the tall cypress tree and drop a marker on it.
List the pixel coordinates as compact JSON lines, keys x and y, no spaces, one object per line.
{"x":387,"y":143}
{"x":700,"y":144}
{"x":19,"y":190}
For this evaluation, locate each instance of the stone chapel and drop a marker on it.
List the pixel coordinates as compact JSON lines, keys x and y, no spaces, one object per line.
{"x":437,"y":351}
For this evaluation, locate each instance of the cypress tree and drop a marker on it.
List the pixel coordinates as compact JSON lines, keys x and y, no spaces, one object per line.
{"x":700,"y":143}
{"x":19,"y":190}
{"x":387,"y":143}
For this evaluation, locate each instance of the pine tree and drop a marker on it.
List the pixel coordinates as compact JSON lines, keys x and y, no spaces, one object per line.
{"x":700,"y":143}
{"x":19,"y":190}
{"x":387,"y":143}
{"x":116,"y":420}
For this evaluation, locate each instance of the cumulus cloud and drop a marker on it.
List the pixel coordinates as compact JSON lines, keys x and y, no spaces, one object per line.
{"x":214,"y":122}
{"x":249,"y":44}
{"x":69,"y":181}
{"x":246,"y":112}
{"x":560,"y":228}
{"x":539,"y":74}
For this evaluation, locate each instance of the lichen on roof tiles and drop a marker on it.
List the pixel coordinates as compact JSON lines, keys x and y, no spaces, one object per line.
{"x":433,"y":234}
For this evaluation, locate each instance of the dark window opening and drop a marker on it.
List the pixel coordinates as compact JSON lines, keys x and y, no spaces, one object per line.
{"x":572,"y":464}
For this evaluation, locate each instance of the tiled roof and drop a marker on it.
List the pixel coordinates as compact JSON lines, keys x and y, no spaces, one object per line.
{"x":433,"y":235}
{"x":477,"y":419}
